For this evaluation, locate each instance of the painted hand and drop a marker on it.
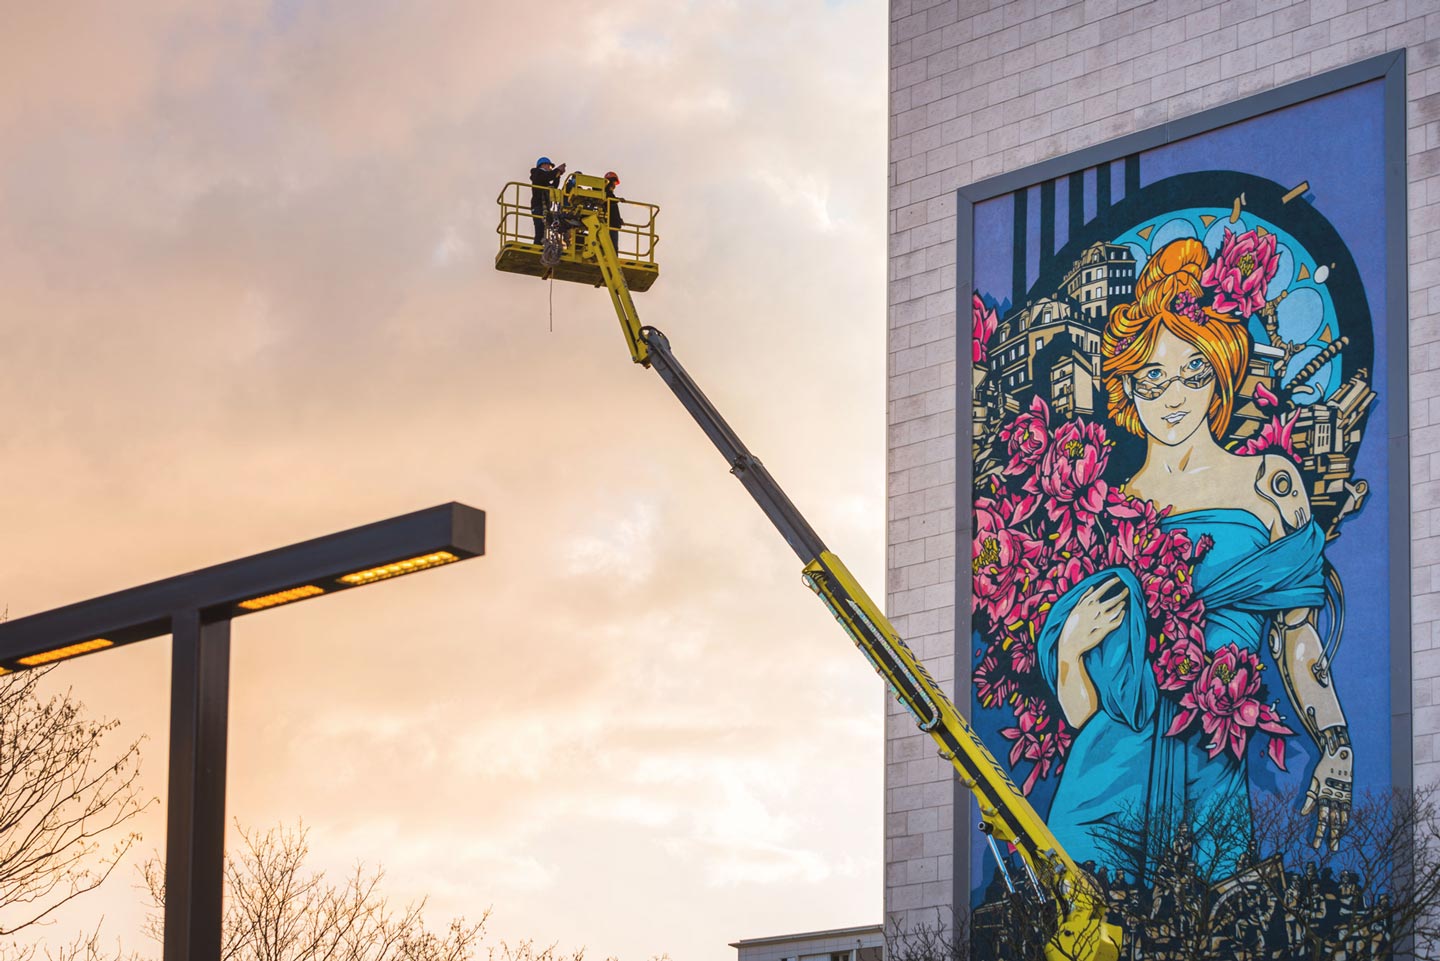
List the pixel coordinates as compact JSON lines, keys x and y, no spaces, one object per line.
{"x":1098,"y":612}
{"x":1331,"y":787}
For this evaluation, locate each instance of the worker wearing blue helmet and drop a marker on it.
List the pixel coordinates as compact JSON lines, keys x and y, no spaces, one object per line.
{"x":543,"y":174}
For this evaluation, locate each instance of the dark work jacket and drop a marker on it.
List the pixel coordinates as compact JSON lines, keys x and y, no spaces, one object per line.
{"x":540,"y":199}
{"x":616,"y":221}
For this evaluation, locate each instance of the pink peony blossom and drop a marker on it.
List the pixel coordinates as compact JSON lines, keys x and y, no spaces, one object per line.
{"x":1166,"y":573}
{"x":1274,"y":438}
{"x":1070,"y":475}
{"x":1120,"y":504}
{"x":1244,"y":268}
{"x":983,"y":323}
{"x":1160,"y":559}
{"x":1060,"y":571}
{"x":1179,"y":664}
{"x":1013,"y":509}
{"x":1003,"y":562}
{"x":1027,"y":437}
{"x":1224,"y":700}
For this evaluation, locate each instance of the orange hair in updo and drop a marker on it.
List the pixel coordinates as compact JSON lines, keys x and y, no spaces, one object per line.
{"x":1129,"y":337}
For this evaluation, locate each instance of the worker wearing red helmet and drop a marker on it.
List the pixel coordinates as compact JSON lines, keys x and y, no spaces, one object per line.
{"x":612,"y":180}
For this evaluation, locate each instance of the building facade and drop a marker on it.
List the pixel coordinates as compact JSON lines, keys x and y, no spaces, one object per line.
{"x":982,"y":90}
{"x":865,"y":943}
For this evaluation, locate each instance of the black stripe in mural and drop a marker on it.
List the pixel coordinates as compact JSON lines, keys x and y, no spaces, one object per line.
{"x":1132,"y":175}
{"x":1022,"y":216}
{"x":1077,"y":203}
{"x":1102,"y":189}
{"x":1047,"y":220}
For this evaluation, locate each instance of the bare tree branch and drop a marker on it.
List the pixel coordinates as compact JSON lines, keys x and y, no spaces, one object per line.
{"x":65,"y":801}
{"x":277,"y":910}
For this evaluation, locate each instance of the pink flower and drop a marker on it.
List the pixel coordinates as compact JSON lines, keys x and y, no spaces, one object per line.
{"x":1187,"y":622}
{"x":1061,"y":570}
{"x":1179,"y":664}
{"x":1165,"y":572}
{"x":1224,"y":700}
{"x":1070,"y":473}
{"x":1022,"y":655}
{"x":1120,"y":504}
{"x":1186,"y":305}
{"x":1244,"y":268}
{"x":1263,"y":397}
{"x":1038,"y":738}
{"x":1013,"y":509}
{"x":994,"y":684}
{"x":1002,"y":561}
{"x":983,"y":323}
{"x":1026,"y":437}
{"x":1274,"y":438}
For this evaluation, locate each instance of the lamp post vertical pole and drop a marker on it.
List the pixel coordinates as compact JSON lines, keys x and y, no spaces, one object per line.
{"x":195,"y":833}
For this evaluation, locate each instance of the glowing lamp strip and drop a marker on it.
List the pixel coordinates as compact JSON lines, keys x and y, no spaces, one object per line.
{"x":398,"y":568}
{"x":60,"y":653}
{"x":281,"y":597}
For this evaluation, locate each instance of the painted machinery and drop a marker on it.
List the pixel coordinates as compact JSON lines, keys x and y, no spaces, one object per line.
{"x":577,"y":246}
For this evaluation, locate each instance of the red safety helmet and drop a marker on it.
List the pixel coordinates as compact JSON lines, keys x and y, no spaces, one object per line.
{"x":613,"y":177}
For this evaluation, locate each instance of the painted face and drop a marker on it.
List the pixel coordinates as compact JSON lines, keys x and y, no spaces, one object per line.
{"x":1172,"y":392}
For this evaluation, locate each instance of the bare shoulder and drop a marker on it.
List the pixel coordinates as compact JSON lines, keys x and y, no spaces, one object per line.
{"x":1278,"y":481}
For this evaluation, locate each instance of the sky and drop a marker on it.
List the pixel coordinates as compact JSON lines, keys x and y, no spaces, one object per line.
{"x":247,"y":288}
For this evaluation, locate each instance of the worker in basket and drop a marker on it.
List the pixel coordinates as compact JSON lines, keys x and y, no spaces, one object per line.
{"x":543,"y":174}
{"x":612,"y":180}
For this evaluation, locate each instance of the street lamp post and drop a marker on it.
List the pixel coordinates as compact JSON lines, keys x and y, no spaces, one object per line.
{"x":196,"y":610}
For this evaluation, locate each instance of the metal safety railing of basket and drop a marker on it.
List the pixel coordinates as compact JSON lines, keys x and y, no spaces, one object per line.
{"x":520,"y":224}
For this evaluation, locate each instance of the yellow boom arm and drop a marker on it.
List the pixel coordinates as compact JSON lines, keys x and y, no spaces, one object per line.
{"x":1075,"y":922}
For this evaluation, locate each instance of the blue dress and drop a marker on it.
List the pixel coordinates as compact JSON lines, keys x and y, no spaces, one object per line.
{"x":1121,"y":765}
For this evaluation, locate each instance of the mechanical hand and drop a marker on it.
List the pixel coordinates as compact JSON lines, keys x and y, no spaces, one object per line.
{"x":1331,"y":787}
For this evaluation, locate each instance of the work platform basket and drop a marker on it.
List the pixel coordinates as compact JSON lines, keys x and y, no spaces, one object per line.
{"x":520,"y":254}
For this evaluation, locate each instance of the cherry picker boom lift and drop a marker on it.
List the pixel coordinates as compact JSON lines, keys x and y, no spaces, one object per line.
{"x":577,"y":247}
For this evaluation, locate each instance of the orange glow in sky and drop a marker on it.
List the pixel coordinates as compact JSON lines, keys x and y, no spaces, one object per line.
{"x":246,"y":280}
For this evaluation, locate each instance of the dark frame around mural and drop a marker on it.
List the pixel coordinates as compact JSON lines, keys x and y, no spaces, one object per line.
{"x":1390,"y":68}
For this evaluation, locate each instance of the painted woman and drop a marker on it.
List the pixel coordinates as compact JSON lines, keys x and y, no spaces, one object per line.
{"x":1172,"y":369}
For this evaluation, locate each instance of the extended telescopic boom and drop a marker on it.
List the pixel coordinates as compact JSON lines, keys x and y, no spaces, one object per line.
{"x":1076,"y":906}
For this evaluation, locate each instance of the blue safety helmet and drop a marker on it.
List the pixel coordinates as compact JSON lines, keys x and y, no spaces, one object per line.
{"x":543,"y":161}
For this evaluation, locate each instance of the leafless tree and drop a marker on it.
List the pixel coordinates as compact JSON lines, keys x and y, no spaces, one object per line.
{"x":1192,"y":906}
{"x":278,"y":910}
{"x":528,"y":950}
{"x":84,"y":947}
{"x":1379,"y":890}
{"x":924,"y":941}
{"x":1177,"y":899}
{"x":66,"y":801}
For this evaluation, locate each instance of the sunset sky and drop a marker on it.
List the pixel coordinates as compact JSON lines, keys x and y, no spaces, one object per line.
{"x":247,"y":285}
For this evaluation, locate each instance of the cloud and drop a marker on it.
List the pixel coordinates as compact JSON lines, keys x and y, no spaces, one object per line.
{"x":245,"y":271}
{"x":621,"y":546}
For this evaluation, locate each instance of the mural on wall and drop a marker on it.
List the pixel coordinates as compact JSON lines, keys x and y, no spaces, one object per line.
{"x":1180,"y":574}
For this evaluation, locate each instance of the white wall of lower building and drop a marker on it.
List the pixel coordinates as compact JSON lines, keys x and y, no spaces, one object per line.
{"x":844,"y":944}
